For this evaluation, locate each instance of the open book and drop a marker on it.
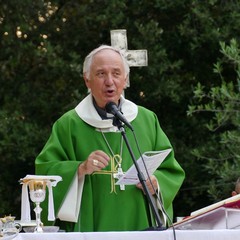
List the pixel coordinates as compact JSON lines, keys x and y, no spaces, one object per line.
{"x":224,"y":214}
{"x":152,"y":160}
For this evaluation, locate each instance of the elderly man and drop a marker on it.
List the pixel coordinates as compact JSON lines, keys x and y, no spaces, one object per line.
{"x":86,"y":150}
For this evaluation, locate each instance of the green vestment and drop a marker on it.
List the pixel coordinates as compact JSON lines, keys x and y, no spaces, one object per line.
{"x":102,"y":209}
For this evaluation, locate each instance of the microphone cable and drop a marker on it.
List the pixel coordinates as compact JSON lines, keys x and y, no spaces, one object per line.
{"x":156,"y":194}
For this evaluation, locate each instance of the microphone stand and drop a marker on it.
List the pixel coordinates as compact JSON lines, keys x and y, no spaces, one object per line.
{"x":159,"y":227}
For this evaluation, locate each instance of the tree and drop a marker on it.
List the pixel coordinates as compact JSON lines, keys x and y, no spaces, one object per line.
{"x":43,"y":44}
{"x":222,"y":102}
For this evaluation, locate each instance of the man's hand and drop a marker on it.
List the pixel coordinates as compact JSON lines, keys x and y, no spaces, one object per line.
{"x":95,"y":162}
{"x":149,"y":185}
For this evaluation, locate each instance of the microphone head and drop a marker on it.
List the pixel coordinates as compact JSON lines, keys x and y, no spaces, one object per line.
{"x":110,"y":106}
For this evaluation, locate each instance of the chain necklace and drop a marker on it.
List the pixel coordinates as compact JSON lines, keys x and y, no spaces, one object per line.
{"x":116,"y":162}
{"x":110,"y":149}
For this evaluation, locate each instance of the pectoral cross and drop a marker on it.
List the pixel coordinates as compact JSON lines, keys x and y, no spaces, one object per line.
{"x":118,"y":175}
{"x":115,"y":172}
{"x":135,"y":58}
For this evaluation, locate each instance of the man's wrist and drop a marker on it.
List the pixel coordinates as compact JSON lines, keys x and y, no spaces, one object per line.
{"x":82,"y":169}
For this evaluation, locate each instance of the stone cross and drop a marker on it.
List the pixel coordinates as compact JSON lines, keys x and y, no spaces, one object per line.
{"x":135,"y":58}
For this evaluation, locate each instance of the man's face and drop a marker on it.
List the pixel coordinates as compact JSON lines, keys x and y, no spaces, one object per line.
{"x":107,"y":77}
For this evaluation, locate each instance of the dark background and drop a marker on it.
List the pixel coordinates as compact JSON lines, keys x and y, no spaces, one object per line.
{"x":42,"y":48}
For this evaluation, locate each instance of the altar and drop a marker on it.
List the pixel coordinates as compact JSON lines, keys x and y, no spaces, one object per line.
{"x":222,"y":234}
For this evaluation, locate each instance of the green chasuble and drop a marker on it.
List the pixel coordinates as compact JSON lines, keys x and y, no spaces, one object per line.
{"x":104,"y":207}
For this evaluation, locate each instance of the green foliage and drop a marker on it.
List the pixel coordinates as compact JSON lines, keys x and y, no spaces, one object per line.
{"x":223,"y":102}
{"x":43,"y":44}
{"x":20,"y":140}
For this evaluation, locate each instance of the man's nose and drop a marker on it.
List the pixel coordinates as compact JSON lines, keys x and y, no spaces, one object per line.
{"x":109,"y":79}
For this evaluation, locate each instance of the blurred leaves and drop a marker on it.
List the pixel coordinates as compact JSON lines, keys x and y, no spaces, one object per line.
{"x":192,"y":81}
{"x":223,"y":102}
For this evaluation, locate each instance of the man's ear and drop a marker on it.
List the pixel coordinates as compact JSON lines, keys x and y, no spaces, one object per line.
{"x":86,"y":80}
{"x":126,"y":82}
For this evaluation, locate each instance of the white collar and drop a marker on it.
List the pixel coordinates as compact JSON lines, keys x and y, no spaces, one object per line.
{"x":87,"y":112}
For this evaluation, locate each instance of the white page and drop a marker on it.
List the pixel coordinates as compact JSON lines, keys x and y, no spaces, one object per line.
{"x":152,"y":161}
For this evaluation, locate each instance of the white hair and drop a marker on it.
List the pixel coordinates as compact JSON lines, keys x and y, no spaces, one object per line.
{"x":88,"y":60}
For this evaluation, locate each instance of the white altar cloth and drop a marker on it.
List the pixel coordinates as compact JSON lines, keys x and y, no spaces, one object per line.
{"x":223,"y":234}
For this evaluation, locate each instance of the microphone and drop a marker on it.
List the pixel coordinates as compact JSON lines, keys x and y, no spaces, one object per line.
{"x":112,"y":108}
